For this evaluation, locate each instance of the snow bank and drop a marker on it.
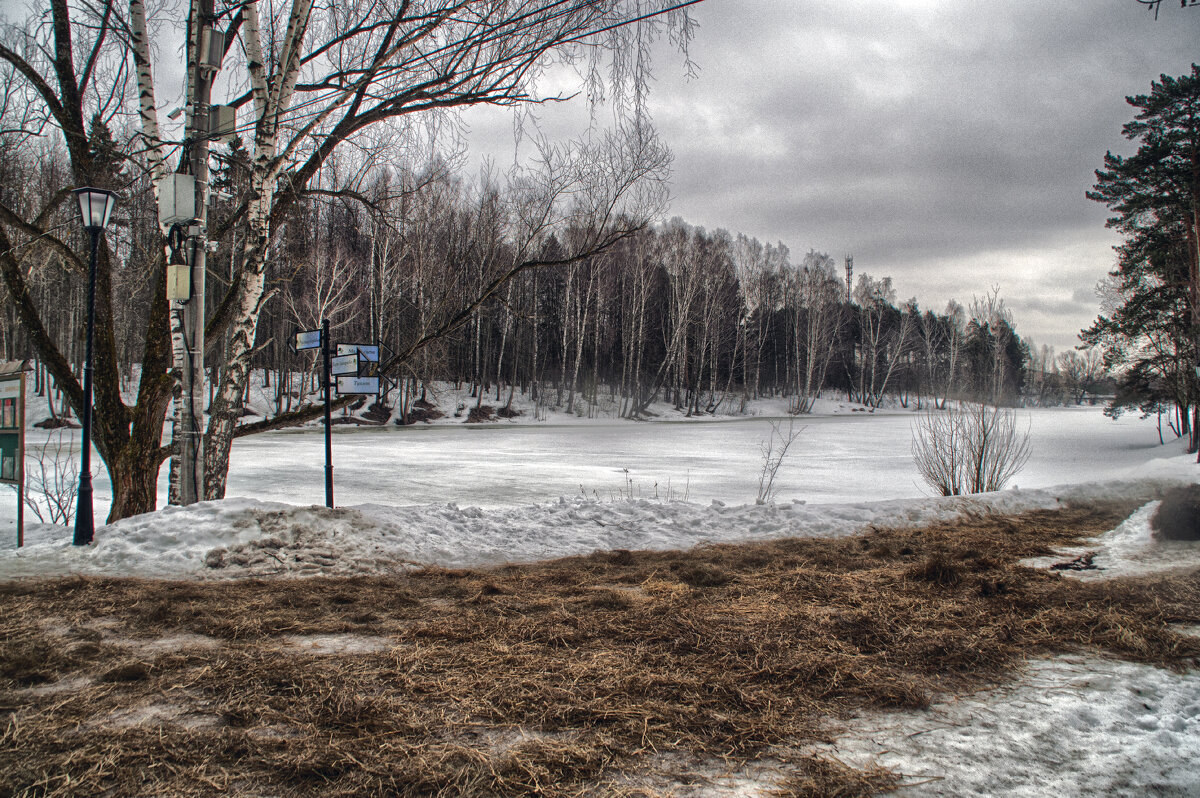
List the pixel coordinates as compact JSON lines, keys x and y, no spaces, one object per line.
{"x":234,"y":537}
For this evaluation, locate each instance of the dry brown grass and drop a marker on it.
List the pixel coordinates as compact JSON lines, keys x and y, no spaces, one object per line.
{"x":574,"y":677}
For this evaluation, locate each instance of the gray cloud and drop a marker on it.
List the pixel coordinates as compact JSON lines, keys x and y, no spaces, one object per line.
{"x":968,"y":122}
{"x":933,"y":140}
{"x":948,"y":145}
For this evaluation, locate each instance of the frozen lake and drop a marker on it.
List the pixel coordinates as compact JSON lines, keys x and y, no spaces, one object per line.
{"x":838,"y":458}
{"x":852,"y":457}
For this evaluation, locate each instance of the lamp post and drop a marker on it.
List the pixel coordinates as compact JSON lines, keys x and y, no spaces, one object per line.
{"x":95,"y":206}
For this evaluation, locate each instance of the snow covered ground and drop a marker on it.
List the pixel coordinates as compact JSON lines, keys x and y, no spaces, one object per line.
{"x":473,"y":495}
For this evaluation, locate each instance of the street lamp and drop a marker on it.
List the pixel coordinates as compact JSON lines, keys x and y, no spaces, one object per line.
{"x":95,"y":206}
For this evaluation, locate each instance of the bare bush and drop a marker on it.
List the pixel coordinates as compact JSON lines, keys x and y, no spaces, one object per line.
{"x":969,"y":448}
{"x":52,"y":483}
{"x":774,"y":449}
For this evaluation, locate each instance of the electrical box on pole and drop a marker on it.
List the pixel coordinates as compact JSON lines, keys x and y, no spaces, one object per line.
{"x":176,"y":199}
{"x":222,"y":122}
{"x":179,"y":282}
{"x":212,"y":49}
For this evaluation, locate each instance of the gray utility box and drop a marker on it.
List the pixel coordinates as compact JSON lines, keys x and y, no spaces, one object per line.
{"x":222,"y":122}
{"x":176,"y":199}
{"x":179,"y":282}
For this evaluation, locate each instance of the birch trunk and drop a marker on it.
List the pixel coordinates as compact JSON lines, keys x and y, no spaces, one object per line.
{"x":272,"y":100}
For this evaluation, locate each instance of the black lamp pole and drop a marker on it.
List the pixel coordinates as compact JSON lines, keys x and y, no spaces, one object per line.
{"x":95,"y":205}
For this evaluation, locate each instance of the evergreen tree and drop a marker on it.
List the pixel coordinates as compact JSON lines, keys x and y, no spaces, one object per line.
{"x":1153,"y":325}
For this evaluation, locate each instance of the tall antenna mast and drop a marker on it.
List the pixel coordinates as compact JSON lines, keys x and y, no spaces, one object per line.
{"x":849,"y":276}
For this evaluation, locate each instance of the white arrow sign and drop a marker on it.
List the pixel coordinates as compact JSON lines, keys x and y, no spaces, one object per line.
{"x":309,"y":339}
{"x":348,"y":385}
{"x":369,"y":352}
{"x":343,"y":364}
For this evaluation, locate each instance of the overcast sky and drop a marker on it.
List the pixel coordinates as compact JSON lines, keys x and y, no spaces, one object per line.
{"x":946,"y":144}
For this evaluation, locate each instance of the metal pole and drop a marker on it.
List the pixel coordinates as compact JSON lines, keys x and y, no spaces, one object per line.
{"x":328,"y":416}
{"x":191,"y":473}
{"x":84,"y":522}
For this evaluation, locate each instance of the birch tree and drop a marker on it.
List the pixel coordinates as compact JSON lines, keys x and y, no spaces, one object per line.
{"x":816,"y":320}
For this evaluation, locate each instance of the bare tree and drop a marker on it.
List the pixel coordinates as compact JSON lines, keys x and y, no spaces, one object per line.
{"x":1079,"y":372}
{"x":816,"y":321}
{"x":774,"y":449}
{"x":992,"y":316}
{"x":885,"y":338}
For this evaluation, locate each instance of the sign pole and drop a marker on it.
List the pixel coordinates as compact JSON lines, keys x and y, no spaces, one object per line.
{"x":21,"y":465}
{"x":328,"y":415}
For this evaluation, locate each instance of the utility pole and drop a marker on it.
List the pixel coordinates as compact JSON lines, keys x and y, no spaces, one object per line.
{"x":849,"y":277}
{"x":189,"y":417}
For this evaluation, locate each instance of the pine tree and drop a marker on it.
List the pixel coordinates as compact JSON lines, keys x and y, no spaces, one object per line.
{"x":1153,"y":327}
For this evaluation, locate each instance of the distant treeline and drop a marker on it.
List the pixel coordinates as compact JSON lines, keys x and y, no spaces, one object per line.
{"x":698,"y":318}
{"x":674,"y":312}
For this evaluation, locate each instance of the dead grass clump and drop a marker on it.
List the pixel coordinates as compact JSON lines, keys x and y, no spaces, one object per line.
{"x":700,"y":574}
{"x":546,"y":678}
{"x":989,"y":587}
{"x":620,"y":557}
{"x":508,"y":411}
{"x":1178,"y":516}
{"x":421,"y":412}
{"x":613,"y":600}
{"x":937,"y":570}
{"x":827,"y":777}
{"x":27,"y":662}
{"x":127,"y":672}
{"x":481,"y":413}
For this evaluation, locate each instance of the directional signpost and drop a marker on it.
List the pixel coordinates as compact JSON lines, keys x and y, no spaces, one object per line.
{"x":356,"y":368}
{"x":368,"y":352}
{"x":307,"y":339}
{"x":363,"y":378}
{"x":319,"y":339}
{"x":341,"y":365}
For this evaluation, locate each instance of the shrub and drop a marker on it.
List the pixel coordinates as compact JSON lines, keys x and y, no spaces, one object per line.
{"x":971,"y":448}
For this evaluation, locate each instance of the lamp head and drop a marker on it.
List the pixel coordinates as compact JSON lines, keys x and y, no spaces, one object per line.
{"x":95,"y":206}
